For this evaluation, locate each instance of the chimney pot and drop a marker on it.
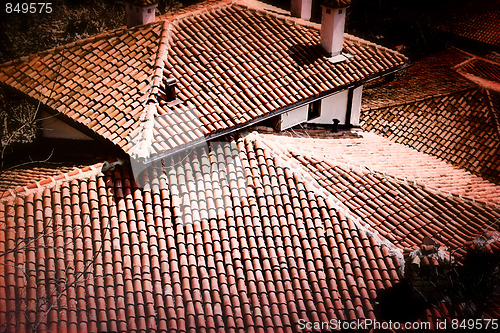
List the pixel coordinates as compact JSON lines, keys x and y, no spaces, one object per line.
{"x":170,"y":85}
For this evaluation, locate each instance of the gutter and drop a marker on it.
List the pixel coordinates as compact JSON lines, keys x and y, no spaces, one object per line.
{"x":276,"y":113}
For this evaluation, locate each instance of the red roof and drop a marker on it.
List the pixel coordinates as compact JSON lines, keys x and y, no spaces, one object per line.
{"x":476,"y":25}
{"x":433,"y":75}
{"x":374,"y":152}
{"x":235,"y":236}
{"x":483,"y":72}
{"x":99,"y":83}
{"x":438,"y":108}
{"x":400,"y":210}
{"x":129,"y":258}
{"x":19,"y":177}
{"x":234,"y":63}
{"x":460,"y":128}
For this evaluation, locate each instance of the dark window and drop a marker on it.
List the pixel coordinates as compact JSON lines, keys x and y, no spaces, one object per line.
{"x":328,"y":11}
{"x":314,"y":110}
{"x":340,"y":11}
{"x":149,"y":10}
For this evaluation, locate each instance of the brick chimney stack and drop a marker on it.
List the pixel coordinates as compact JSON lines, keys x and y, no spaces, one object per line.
{"x":332,"y":25}
{"x":140,"y":12}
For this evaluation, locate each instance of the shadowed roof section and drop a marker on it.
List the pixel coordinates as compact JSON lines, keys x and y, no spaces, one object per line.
{"x":235,"y":62}
{"x":478,"y":25}
{"x":426,"y":77}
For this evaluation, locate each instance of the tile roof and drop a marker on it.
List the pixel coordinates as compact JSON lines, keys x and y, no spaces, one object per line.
{"x":401,"y":211}
{"x":235,"y":62}
{"x":460,"y":128}
{"x":251,"y":248}
{"x":23,"y":176}
{"x":483,"y":72}
{"x":100,"y":83}
{"x":481,"y":26}
{"x":380,"y":154}
{"x":426,"y":77}
{"x":238,"y":236}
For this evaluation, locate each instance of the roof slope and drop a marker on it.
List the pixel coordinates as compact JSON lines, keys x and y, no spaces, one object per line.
{"x":483,"y":72}
{"x":234,"y":63}
{"x":223,"y":239}
{"x":374,"y":152}
{"x":402,"y":211}
{"x":100,"y":83}
{"x":19,"y":177}
{"x":481,"y":25}
{"x":460,"y":128}
{"x":433,"y":75}
{"x":236,"y":235}
{"x":445,"y":105}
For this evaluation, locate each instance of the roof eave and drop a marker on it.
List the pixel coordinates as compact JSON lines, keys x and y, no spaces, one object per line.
{"x":240,"y":127}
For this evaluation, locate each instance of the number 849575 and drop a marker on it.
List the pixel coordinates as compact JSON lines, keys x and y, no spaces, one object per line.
{"x":28,"y":8}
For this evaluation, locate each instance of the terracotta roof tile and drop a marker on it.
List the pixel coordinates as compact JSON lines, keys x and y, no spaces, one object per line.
{"x":234,"y":57}
{"x":460,"y":128}
{"x":100,"y":68}
{"x":132,"y":260}
{"x":380,"y":154}
{"x":477,"y":25}
{"x":403,"y":215}
{"x":483,"y":72}
{"x":434,"y":75}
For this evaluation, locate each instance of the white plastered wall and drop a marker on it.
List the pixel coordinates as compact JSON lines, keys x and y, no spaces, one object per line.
{"x":332,"y":29}
{"x":356,"y":105}
{"x":137,"y":15}
{"x":332,"y":107}
{"x":293,"y":117}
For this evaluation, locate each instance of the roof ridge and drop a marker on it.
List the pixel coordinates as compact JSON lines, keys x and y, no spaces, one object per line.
{"x":475,"y":57}
{"x":494,"y":115}
{"x":319,"y":190}
{"x":161,"y":56}
{"x":195,"y":9}
{"x":414,"y":183}
{"x":107,"y":33}
{"x":49,"y":182}
{"x":145,"y":130}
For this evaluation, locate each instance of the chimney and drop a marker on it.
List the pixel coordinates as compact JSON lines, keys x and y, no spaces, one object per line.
{"x":301,"y":8}
{"x":170,"y":85}
{"x":140,"y":12}
{"x":332,"y":25}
